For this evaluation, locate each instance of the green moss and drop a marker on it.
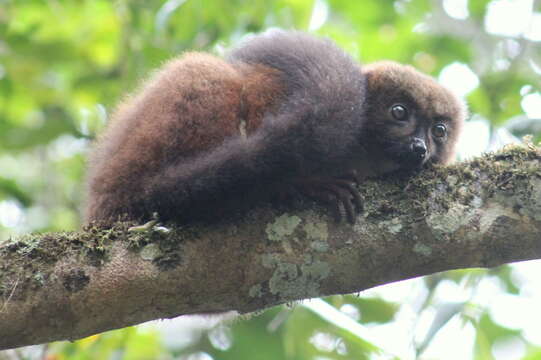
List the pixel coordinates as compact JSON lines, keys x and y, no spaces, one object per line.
{"x":256,"y":291}
{"x":394,"y":226}
{"x":39,"y":278}
{"x":29,"y":260}
{"x":150,"y":252}
{"x":491,"y":213}
{"x":293,"y":281}
{"x":318,"y":233}
{"x":510,"y":178}
{"x":497,"y":175}
{"x":452,"y":180}
{"x":316,"y":271}
{"x":536,"y":199}
{"x":422,"y":249}
{"x":282,"y":227}
{"x":451,"y":221}
{"x":270,"y":260}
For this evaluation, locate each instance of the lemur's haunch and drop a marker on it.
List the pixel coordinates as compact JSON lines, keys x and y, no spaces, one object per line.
{"x":285,"y":110}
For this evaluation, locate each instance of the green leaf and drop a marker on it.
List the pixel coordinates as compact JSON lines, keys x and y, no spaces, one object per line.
{"x":252,"y":339}
{"x":56,"y":121}
{"x":374,"y":310}
{"x":494,"y":332}
{"x":505,"y":274}
{"x":477,"y":8}
{"x":10,"y":188}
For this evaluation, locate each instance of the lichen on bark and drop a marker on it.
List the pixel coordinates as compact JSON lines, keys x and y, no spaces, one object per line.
{"x":443,"y":218}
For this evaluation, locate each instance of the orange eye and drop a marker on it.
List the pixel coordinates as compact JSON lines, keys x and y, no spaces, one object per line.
{"x":399,"y":112}
{"x":439,"y":130}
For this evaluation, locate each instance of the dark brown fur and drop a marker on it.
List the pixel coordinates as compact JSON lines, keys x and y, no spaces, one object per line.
{"x":391,"y":83}
{"x":206,"y":136}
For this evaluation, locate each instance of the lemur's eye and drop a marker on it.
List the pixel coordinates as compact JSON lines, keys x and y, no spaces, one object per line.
{"x":399,"y":112}
{"x":439,"y":130}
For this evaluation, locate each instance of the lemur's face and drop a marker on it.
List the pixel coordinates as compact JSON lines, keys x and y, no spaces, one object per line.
{"x":411,"y":118}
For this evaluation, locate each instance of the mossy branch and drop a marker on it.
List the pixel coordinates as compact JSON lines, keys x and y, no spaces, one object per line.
{"x":69,"y":285}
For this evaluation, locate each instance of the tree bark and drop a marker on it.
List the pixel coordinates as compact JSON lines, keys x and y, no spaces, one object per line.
{"x":62,"y":286}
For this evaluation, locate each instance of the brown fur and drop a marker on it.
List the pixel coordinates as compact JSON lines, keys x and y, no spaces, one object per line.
{"x":204,"y":136}
{"x":390,"y":82}
{"x":221,"y":101}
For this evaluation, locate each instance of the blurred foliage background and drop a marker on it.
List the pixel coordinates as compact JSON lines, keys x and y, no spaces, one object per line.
{"x":65,"y":64}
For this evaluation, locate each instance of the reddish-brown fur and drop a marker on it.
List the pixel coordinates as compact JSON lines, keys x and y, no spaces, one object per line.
{"x":205,"y":137}
{"x":226,"y":102}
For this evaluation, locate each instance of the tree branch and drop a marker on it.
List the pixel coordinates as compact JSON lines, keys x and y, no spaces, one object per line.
{"x":70,"y":285}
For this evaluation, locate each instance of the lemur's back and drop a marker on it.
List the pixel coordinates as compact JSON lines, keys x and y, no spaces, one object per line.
{"x":202,"y":130}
